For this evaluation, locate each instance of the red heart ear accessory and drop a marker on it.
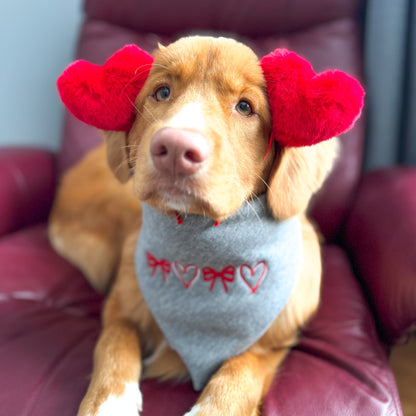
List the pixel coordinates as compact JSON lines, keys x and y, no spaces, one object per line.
{"x":103,"y":96}
{"x":307,"y":108}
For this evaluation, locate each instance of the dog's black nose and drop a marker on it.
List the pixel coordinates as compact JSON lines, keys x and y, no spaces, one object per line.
{"x":178,"y":152}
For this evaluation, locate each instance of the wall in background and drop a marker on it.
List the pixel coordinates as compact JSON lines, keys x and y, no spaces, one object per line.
{"x":390,"y":60}
{"x":37,"y":41}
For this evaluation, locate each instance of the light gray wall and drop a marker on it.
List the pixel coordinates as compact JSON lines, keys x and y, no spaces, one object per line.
{"x":37,"y":40}
{"x":390,"y":58}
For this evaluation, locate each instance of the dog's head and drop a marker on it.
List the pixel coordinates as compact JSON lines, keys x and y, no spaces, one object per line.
{"x":194,"y":123}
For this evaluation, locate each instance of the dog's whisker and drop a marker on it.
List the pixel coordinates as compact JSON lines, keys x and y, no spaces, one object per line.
{"x":146,"y":115}
{"x":139,"y":71}
{"x":269,"y":189}
{"x":160,"y":66}
{"x":150,"y":113}
{"x":133,"y":104}
{"x":138,"y":111}
{"x":129,"y":146}
{"x":122,"y":165}
{"x":250,"y":205}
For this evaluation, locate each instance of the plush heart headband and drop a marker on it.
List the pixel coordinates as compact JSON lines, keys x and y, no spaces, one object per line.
{"x":306,"y":108}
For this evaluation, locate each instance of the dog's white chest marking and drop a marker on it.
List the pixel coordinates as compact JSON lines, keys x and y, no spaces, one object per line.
{"x":214,"y":291}
{"x":130,"y":403}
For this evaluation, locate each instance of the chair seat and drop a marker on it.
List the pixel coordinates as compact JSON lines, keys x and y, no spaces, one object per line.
{"x":51,"y":321}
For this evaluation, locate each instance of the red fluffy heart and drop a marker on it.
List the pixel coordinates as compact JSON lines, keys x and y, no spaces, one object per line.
{"x":103,"y":96}
{"x":308,"y":108}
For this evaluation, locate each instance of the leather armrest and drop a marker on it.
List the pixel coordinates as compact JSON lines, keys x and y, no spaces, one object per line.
{"x":27,"y":187}
{"x":381,"y":238}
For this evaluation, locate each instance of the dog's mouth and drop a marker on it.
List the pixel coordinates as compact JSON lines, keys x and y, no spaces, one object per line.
{"x":179,"y":195}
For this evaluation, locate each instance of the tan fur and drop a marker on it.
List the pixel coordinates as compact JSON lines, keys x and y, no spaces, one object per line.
{"x":117,"y":154}
{"x":303,"y":169}
{"x":96,"y":220}
{"x":90,"y":218}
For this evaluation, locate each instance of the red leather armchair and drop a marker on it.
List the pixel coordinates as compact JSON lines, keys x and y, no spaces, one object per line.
{"x":50,"y":317}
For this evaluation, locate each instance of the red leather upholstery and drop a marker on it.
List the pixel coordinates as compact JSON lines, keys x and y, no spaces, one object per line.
{"x":49,"y":325}
{"x":49,"y":316}
{"x":245,"y":17}
{"x":340,"y":367}
{"x":27,"y":187}
{"x":380,"y":236}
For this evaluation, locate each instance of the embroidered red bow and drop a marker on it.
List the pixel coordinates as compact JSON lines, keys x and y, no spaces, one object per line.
{"x":211,"y":275}
{"x":154,"y":264}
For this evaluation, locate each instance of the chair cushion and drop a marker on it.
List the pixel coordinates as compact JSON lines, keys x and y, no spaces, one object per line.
{"x":380,"y":236}
{"x":340,"y":367}
{"x":50,"y":321}
{"x":247,"y":17}
{"x":27,"y":187}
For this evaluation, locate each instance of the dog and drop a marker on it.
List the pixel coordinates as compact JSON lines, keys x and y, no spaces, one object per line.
{"x":213,"y":184}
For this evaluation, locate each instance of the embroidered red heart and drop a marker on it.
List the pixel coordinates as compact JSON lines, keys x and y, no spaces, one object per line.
{"x":247,"y":273}
{"x":308,"y":108}
{"x":103,"y":96}
{"x":186,"y":274}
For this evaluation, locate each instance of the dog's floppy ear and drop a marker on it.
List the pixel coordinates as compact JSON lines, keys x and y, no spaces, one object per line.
{"x":118,"y":154}
{"x":103,"y":97}
{"x":297,"y":174}
{"x":308,"y":108}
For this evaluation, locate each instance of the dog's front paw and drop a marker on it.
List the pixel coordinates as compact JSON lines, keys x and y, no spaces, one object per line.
{"x":202,"y":409}
{"x":130,"y":403}
{"x":207,"y":408}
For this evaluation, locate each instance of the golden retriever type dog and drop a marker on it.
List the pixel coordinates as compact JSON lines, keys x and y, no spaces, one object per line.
{"x":197,"y":154}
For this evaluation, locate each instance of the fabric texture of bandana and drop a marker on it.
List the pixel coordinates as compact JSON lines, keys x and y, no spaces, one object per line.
{"x":214,"y":291}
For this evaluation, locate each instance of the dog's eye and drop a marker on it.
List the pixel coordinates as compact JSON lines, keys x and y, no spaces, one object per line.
{"x":162,"y":93}
{"x":244,"y":108}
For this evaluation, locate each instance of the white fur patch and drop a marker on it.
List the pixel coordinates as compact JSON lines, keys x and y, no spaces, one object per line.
{"x":190,"y":116}
{"x":205,"y":405}
{"x":130,"y":403}
{"x":194,"y":411}
{"x":179,"y":204}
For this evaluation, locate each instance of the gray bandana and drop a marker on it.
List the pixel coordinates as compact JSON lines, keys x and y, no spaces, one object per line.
{"x":214,"y":291}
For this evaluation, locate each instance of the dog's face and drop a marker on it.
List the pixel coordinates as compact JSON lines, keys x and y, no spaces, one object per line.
{"x":200,"y":138}
{"x":192,"y":124}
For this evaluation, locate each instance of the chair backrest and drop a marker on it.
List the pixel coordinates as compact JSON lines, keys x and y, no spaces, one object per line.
{"x":326,"y":32}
